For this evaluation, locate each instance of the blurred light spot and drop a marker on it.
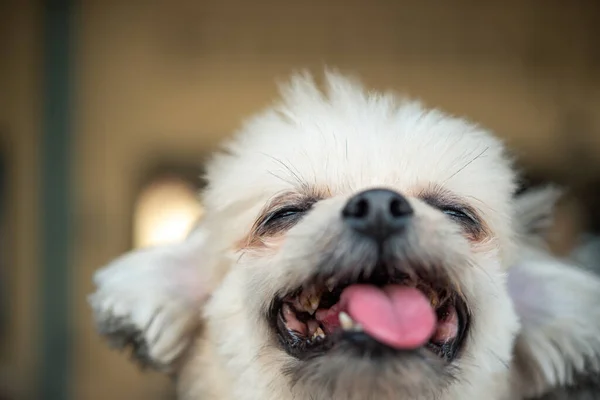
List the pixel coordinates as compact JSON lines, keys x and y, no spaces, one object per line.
{"x":165,"y":212}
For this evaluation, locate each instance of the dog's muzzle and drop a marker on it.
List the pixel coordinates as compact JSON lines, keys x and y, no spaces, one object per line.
{"x":371,"y":292}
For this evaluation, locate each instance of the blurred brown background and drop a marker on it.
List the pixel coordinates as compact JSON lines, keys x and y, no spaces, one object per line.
{"x":98,"y":98}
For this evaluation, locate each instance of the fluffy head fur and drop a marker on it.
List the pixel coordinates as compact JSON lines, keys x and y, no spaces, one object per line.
{"x":319,"y":148}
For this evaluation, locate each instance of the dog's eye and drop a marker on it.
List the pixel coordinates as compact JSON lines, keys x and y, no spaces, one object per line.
{"x":281,"y":219}
{"x":464,"y":216}
{"x":459,"y":215}
{"x":284,"y":213}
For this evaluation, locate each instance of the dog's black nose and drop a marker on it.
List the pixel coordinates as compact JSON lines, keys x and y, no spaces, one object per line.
{"x":377,"y":213}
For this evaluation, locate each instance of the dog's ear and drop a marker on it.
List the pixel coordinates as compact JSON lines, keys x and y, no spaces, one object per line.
{"x":150,"y":300}
{"x":557,"y":352}
{"x":535,"y":211}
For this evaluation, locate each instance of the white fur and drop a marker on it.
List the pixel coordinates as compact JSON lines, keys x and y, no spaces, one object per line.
{"x":558,"y":304}
{"x":199,"y":303}
{"x":154,"y":293}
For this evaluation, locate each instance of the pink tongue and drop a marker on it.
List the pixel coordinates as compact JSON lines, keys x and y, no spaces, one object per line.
{"x":398,"y":316}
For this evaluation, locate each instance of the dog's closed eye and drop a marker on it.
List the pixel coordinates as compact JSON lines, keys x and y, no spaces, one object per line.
{"x":281,"y":214}
{"x":461,"y":215}
{"x":277,"y":217}
{"x":281,"y":219}
{"x":459,"y":212}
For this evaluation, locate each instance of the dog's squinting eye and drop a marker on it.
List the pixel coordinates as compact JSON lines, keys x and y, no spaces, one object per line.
{"x":283,"y":214}
{"x":280,"y":220}
{"x":458,"y":214}
{"x":467,"y":221}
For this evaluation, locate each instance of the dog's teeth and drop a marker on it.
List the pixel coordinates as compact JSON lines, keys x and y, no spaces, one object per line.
{"x":348,"y":324}
{"x":312,"y":325}
{"x":318,"y":334}
{"x":345,"y":321}
{"x":330,"y":285}
{"x":310,"y":304}
{"x":314,"y":304}
{"x":434,"y":299}
{"x":310,"y":299}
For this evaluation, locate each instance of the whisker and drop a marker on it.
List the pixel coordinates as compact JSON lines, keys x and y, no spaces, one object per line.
{"x":294,"y":174}
{"x":467,"y":164}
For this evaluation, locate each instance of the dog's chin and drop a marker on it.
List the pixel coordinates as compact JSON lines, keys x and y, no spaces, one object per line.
{"x":359,"y":367}
{"x":338,"y":349}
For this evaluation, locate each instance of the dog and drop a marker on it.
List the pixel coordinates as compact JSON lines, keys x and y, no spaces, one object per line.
{"x":357,"y":245}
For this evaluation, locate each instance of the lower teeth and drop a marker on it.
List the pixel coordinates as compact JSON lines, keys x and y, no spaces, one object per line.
{"x":318,"y":334}
{"x":348,"y":324}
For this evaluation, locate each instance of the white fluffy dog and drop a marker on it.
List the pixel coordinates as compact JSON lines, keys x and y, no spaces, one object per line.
{"x":359,"y":246}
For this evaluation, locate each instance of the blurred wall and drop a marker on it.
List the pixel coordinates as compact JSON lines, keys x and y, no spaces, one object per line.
{"x":20,"y":56}
{"x":164,"y":81}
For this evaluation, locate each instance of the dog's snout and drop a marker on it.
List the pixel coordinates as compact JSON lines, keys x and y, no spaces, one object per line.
{"x":377,"y":213}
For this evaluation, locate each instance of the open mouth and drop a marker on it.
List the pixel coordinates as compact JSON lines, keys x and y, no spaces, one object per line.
{"x":391,"y":310}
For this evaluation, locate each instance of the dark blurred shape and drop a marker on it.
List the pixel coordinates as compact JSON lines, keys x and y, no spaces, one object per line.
{"x":3,"y":252}
{"x":3,"y":259}
{"x":56,"y":329}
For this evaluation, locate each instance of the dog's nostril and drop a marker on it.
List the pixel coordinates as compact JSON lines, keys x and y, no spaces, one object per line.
{"x":399,"y":208}
{"x":358,"y":209}
{"x":396,"y":208}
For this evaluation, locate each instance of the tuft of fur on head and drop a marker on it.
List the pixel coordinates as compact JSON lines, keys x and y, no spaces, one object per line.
{"x":312,"y":153}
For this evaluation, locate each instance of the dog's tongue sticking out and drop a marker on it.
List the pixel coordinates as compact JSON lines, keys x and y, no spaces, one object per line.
{"x":398,"y":316}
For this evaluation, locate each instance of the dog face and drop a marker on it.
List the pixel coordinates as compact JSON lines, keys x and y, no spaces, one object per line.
{"x":363,"y":245}
{"x":358,"y":246}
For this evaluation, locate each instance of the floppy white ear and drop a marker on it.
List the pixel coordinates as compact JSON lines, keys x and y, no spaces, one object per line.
{"x":557,"y":352}
{"x":535,"y":211}
{"x":559,"y":344}
{"x":150,"y":300}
